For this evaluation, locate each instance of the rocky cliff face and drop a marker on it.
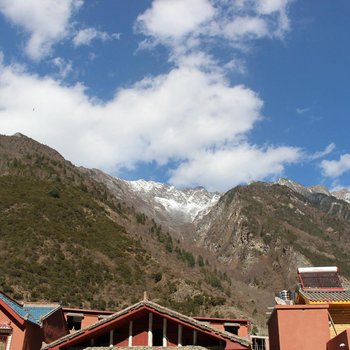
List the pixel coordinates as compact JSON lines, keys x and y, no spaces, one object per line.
{"x":268,"y":230}
{"x":259,"y":233}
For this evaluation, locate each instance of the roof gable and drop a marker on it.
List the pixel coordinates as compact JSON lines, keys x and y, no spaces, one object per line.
{"x":152,"y":307}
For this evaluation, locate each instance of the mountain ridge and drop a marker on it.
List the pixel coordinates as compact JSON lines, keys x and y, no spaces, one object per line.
{"x":66,"y":237}
{"x":342,"y":194}
{"x":227,"y":261}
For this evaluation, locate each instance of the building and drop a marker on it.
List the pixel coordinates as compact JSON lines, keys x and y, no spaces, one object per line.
{"x":149,"y":324}
{"x":323,"y":286}
{"x":35,"y":326}
{"x":240,"y":327}
{"x":77,"y":319}
{"x":27,"y":326}
{"x":319,"y":318}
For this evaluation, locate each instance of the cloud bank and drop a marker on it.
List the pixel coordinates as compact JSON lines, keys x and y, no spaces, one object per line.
{"x":199,"y":22}
{"x":192,"y":116}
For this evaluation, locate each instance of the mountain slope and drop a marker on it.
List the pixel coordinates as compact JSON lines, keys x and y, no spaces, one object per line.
{"x":256,"y":235}
{"x":65,"y":237}
{"x":91,"y":240}
{"x":268,"y":230}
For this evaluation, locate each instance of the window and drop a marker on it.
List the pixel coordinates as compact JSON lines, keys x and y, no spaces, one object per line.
{"x":232,"y":327}
{"x":3,"y":341}
{"x":74,"y":322}
{"x":259,"y":342}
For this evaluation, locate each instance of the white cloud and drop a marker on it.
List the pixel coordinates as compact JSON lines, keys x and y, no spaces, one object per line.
{"x":185,"y":25}
{"x":87,"y":35}
{"x":336,"y":168}
{"x":191,"y":116}
{"x":267,"y":7}
{"x":329,"y":149}
{"x":302,"y":111}
{"x":45,"y":22}
{"x":246,"y":27}
{"x":227,"y":167}
{"x":188,"y":116}
{"x":65,"y":68}
{"x":175,"y":18}
{"x":337,"y":187}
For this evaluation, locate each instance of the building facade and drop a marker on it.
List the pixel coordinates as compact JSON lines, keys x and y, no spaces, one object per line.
{"x":148,"y":324}
{"x":319,"y":318}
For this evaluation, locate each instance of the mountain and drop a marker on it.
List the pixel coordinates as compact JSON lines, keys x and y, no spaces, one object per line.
{"x":343,"y":194}
{"x":66,"y":237}
{"x":256,"y":234}
{"x":175,"y":209}
{"x":267,"y":230}
{"x":92,"y":240}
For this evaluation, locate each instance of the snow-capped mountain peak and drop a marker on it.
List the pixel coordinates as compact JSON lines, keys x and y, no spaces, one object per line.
{"x":184,"y":205}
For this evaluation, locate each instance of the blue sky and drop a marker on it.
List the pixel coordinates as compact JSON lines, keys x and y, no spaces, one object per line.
{"x":190,"y":92}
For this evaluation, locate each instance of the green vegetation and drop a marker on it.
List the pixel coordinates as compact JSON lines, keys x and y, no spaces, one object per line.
{"x":64,"y":237}
{"x":58,"y":244}
{"x":185,"y":256}
{"x":164,"y":238}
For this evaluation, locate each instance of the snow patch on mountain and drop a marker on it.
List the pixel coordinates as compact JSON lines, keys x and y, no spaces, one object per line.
{"x":343,"y":194}
{"x":186,"y":205}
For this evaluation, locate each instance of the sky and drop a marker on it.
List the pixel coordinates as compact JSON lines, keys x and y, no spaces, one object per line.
{"x":212,"y":93}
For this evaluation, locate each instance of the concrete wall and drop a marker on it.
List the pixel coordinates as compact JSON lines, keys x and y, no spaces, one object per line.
{"x":299,"y":327}
{"x":243,"y":331}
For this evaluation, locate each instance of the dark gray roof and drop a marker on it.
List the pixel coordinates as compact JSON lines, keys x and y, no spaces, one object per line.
{"x":326,"y":295}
